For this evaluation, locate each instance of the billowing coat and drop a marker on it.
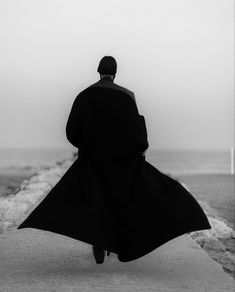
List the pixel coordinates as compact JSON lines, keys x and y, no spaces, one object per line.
{"x":111,"y":196}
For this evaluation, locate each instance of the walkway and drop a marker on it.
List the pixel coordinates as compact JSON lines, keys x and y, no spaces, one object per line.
{"x":35,"y":260}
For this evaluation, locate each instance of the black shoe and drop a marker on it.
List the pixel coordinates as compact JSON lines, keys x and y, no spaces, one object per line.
{"x":99,"y":254}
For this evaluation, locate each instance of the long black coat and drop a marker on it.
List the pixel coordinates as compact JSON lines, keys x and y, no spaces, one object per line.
{"x":111,"y":196}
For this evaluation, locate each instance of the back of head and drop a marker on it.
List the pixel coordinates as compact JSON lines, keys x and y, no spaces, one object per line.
{"x":107,"y":66}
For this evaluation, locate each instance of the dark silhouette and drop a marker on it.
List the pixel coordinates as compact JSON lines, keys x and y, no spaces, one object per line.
{"x":111,"y":197}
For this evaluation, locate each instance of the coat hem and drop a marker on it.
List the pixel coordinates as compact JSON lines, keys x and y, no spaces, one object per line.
{"x":148,"y":249}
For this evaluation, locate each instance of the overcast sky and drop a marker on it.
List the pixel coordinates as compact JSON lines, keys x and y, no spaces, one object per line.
{"x":176,"y":55}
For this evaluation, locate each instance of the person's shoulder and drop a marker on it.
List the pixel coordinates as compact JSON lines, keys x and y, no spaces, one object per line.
{"x":80,"y":98}
{"x":110,"y":85}
{"x":85,"y":91}
{"x":105,"y":85}
{"x":123,"y":89}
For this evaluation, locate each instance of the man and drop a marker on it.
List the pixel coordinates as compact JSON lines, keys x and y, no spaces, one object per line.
{"x":111,"y":197}
{"x":112,"y":105}
{"x":112,"y":134}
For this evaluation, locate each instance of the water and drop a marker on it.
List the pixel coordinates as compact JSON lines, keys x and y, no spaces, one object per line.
{"x":23,"y":159}
{"x":168,"y":161}
{"x":191,"y":161}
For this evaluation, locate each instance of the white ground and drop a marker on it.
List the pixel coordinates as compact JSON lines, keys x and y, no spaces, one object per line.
{"x":35,"y":260}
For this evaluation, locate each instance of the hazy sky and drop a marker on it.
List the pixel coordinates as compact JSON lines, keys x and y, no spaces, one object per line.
{"x":176,"y":55}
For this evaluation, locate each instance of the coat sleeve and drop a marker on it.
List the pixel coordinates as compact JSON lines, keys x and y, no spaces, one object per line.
{"x":142,"y":129}
{"x":143,"y":134}
{"x":73,"y":126}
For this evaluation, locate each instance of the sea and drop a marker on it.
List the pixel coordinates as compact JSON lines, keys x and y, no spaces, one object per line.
{"x":181,"y":162}
{"x":35,"y":158}
{"x":168,"y":161}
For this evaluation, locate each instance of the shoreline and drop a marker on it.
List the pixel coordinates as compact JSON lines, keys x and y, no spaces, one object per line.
{"x":215,"y":194}
{"x":215,"y":189}
{"x":11,"y":180}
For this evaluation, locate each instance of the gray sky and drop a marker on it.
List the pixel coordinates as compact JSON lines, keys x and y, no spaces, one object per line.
{"x":176,"y":55}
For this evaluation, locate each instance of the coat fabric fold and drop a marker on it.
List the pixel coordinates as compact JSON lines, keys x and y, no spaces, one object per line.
{"x":111,"y":196}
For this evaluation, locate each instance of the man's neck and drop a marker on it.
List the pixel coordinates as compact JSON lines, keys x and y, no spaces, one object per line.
{"x":107,"y":78}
